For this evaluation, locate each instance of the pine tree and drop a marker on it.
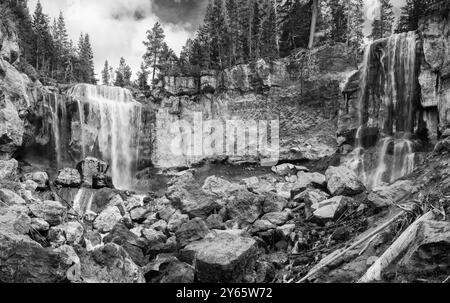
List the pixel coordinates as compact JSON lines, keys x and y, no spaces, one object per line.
{"x":268,"y":43}
{"x":355,"y":24}
{"x":86,"y":71}
{"x":382,"y":26}
{"x":123,"y":74}
{"x":43,"y":45}
{"x":105,"y":74}
{"x":154,"y":44}
{"x":142,"y":78}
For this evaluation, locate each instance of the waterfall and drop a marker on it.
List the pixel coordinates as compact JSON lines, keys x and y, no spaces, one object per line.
{"x":57,"y":109}
{"x":110,"y":128}
{"x":387,"y":103}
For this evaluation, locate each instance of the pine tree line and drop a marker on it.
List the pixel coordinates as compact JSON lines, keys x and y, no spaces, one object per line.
{"x":46,"y":52}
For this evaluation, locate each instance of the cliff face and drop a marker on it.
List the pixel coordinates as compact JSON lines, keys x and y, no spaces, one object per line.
{"x":302,"y":94}
{"x":435,"y":68}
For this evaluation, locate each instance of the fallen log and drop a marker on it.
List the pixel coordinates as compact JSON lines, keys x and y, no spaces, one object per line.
{"x":395,"y":250}
{"x":338,"y":255}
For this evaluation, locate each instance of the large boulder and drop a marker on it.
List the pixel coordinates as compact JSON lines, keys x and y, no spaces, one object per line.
{"x":185,"y":194}
{"x":134,"y":246}
{"x":101,"y":181}
{"x":331,"y":209}
{"x":221,"y":259}
{"x":244,"y":206}
{"x":51,"y":211}
{"x":8,"y":169}
{"x":24,"y":261}
{"x":90,"y":167}
{"x":107,"y":219}
{"x":15,"y":220}
{"x":307,"y":180}
{"x":68,"y":177}
{"x":192,"y":231}
{"x":10,"y":198}
{"x":343,"y":181}
{"x":41,"y":178}
{"x":219,"y":187}
{"x":109,"y":264}
{"x":11,"y":127}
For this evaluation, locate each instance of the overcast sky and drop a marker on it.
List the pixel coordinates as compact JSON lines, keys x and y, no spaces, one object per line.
{"x":118,"y":27}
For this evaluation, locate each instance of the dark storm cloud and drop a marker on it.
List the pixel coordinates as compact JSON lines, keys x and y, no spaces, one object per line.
{"x":188,"y":14}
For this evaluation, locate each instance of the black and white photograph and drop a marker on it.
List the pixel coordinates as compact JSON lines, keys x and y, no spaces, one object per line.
{"x":252,"y":143}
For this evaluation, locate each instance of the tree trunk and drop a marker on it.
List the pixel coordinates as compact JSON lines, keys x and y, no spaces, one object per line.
{"x":315,"y":12}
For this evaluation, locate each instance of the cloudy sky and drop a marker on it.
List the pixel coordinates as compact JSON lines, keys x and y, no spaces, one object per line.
{"x":118,"y":27}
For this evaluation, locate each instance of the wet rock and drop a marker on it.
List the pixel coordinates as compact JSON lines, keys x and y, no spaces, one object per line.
{"x":343,"y":181}
{"x":160,"y":225}
{"x":41,"y":178}
{"x":107,"y":219}
{"x":284,"y":190}
{"x":56,"y":237}
{"x":74,"y":232}
{"x":122,"y":236}
{"x":286,"y":230}
{"x":224,"y":258}
{"x":259,"y":185}
{"x":24,"y":261}
{"x":186,"y":195}
{"x":331,"y":209}
{"x":442,"y":146}
{"x":109,"y":264}
{"x":191,"y":231}
{"x":8,"y":169}
{"x":11,"y":198}
{"x":101,"y":180}
{"x":244,"y":206}
{"x":93,"y":239}
{"x":51,"y":211}
{"x":133,"y":202}
{"x":68,"y":177}
{"x":106,"y":197}
{"x":90,"y":167}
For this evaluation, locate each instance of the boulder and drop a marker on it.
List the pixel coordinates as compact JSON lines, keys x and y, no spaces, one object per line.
{"x":139,"y":214}
{"x":331,"y":209}
{"x":244,"y":206}
{"x":68,"y":177}
{"x":176,"y":221}
{"x":288,"y":169}
{"x":11,"y":127}
{"x":307,"y":180}
{"x":221,"y":259}
{"x":262,"y":225}
{"x":191,"y":231}
{"x":41,"y":178}
{"x":343,"y":181}
{"x":311,"y":197}
{"x":273,"y":203}
{"x":74,"y":232}
{"x":134,"y":246}
{"x":106,"y":197}
{"x":109,"y":264}
{"x":8,"y":170}
{"x":40,"y":225}
{"x":101,"y":180}
{"x":14,"y":220}
{"x":11,"y":198}
{"x":24,"y":261}
{"x":185,"y":194}
{"x":107,"y":219}
{"x":90,"y":167}
{"x":215,"y":222}
{"x":259,"y":185}
{"x":219,"y":187}
{"x":177,"y":272}
{"x":277,"y":218}
{"x":51,"y":211}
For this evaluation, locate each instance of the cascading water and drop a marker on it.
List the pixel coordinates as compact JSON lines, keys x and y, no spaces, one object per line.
{"x":387,"y":104}
{"x":57,"y":109}
{"x":110,"y":128}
